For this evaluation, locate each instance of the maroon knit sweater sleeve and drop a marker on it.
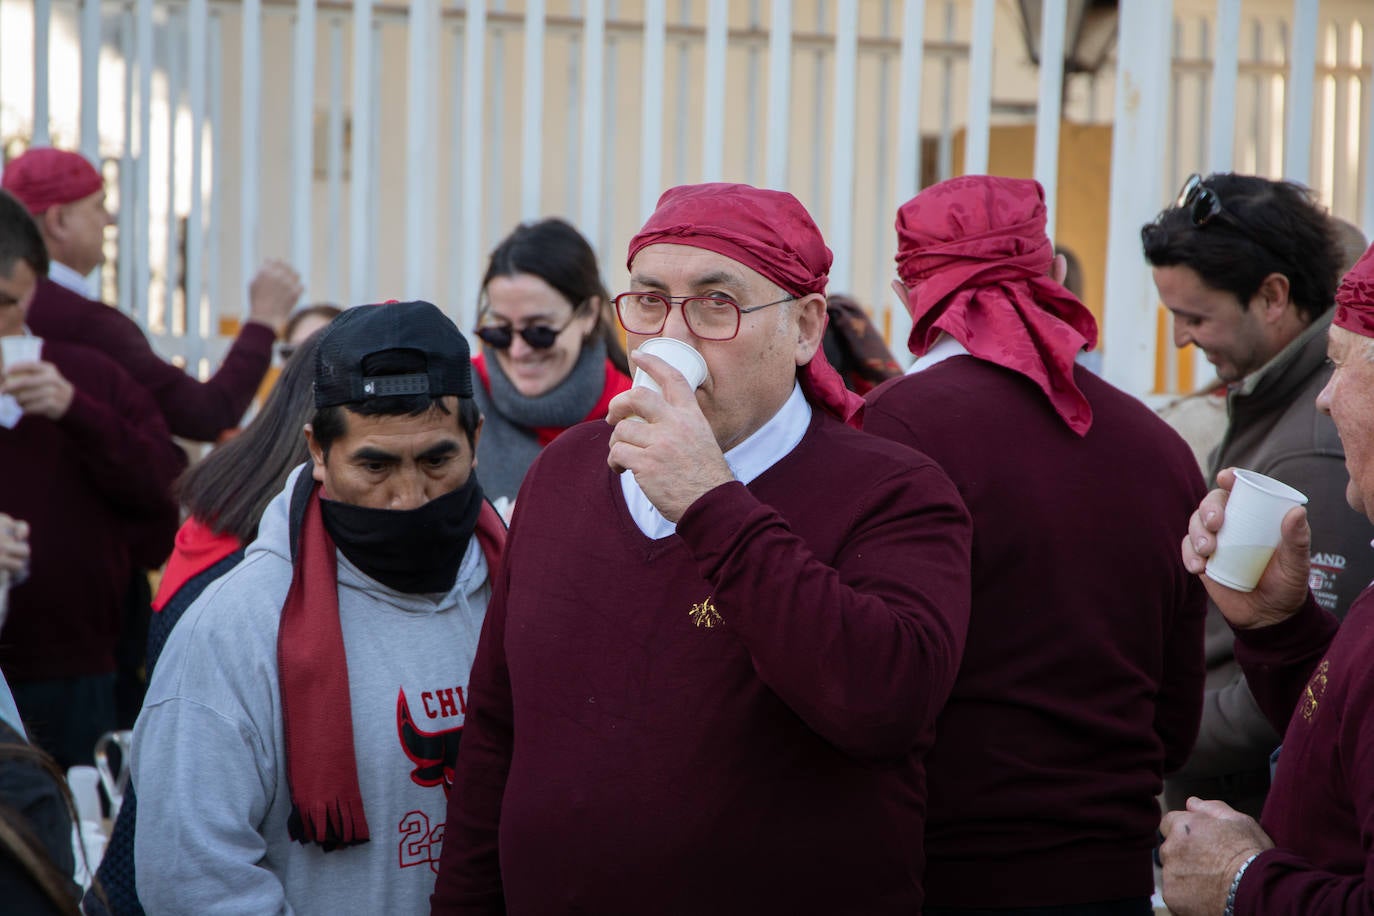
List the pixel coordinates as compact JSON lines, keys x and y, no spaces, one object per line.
{"x":193,"y":409}
{"x":1278,"y":660}
{"x":865,"y":651}
{"x":120,"y":437}
{"x":1320,"y":811}
{"x":469,"y":879}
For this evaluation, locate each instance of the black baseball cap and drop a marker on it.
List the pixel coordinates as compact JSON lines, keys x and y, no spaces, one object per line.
{"x":366,"y":330}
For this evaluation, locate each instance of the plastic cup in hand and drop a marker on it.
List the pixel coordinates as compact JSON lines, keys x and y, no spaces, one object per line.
{"x":20,"y":349}
{"x":1251,"y":529}
{"x":677,"y":354}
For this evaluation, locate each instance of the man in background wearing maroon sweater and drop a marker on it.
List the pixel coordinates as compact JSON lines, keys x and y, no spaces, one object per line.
{"x":1081,"y":684}
{"x":1311,"y":853}
{"x":66,"y":195}
{"x":725,"y":623}
{"x":88,"y":457}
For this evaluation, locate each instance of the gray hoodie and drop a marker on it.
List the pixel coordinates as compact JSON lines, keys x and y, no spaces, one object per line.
{"x":209,"y":760}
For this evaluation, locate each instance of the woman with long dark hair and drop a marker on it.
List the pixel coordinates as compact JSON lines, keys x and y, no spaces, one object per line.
{"x":551,"y":353}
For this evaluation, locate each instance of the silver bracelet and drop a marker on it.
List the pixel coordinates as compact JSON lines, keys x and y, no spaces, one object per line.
{"x":1235,"y":886}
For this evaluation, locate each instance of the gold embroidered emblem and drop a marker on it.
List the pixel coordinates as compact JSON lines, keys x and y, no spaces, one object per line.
{"x":705,"y":614}
{"x":1316,"y":688}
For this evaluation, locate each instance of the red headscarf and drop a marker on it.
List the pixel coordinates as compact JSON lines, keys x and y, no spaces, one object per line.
{"x":769,"y":232}
{"x":44,"y":177}
{"x":1355,"y":297}
{"x":974,"y":256}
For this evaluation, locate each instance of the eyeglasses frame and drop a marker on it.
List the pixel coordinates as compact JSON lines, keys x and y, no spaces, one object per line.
{"x":681,"y":303}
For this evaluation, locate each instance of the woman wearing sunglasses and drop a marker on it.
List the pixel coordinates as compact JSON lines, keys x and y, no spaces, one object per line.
{"x":551,"y":354}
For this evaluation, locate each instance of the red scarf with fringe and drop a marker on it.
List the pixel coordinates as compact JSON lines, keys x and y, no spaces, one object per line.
{"x":317,"y":715}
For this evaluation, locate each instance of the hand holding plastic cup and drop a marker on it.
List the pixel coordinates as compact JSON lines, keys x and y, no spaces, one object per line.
{"x":1251,"y":529}
{"x":680,"y":356}
{"x":20,"y":349}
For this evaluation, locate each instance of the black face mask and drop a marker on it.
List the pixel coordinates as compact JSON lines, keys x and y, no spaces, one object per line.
{"x":417,"y":551}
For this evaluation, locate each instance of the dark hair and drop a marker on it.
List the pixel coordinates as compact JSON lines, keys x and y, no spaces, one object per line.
{"x":20,"y":239}
{"x":18,"y":839}
{"x":321,"y":309}
{"x":555,"y":252}
{"x":1267,"y":227}
{"x":328,"y":423}
{"x":229,"y":489}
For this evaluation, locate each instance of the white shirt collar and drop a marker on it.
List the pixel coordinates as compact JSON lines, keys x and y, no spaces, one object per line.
{"x":769,"y":444}
{"x":63,"y":275}
{"x":945,"y":347}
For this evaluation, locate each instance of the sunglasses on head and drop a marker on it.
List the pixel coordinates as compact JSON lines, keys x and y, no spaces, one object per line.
{"x":1203,"y":205}
{"x":537,"y":336}
{"x":1201,"y":202}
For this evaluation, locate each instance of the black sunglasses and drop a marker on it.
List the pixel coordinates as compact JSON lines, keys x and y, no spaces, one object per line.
{"x":1202,"y":204}
{"x":538,"y":336}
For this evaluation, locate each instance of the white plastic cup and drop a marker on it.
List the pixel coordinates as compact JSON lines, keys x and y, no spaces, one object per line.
{"x":680,"y":356}
{"x":20,"y":349}
{"x":1251,"y":529}
{"x":84,"y":781}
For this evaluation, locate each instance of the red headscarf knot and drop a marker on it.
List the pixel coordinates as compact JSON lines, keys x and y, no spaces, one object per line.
{"x":1355,"y":297}
{"x":975,"y":259}
{"x":44,"y":177}
{"x":769,"y":232}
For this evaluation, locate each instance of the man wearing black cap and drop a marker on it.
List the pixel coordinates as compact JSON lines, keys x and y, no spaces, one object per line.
{"x":313,"y":699}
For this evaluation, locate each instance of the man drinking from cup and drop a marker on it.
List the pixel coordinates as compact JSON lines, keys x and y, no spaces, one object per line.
{"x":90,"y":455}
{"x":726,"y":621}
{"x":1309,"y":853}
{"x":1247,"y":267}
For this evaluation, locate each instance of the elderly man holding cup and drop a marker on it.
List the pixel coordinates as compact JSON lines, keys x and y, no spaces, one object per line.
{"x":1309,"y":853}
{"x":726,"y":622}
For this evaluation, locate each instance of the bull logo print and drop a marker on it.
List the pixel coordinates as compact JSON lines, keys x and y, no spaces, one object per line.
{"x":433,"y":753}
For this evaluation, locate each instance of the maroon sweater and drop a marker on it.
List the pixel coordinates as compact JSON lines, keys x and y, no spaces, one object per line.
{"x":1316,"y":680}
{"x":618,"y":758}
{"x":1082,"y":679}
{"x":193,"y":409}
{"x":81,"y":482}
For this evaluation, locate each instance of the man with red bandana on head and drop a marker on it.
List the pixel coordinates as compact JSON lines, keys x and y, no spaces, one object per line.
{"x":1310,"y":854}
{"x":66,"y":196}
{"x":1081,"y":683}
{"x":725,"y":622}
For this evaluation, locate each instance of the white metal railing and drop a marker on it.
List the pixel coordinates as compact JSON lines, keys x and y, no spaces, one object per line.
{"x":384,"y":147}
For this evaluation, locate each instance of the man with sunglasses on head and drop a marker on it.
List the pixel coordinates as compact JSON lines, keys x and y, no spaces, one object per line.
{"x":1248,"y":267}
{"x":726,"y":620}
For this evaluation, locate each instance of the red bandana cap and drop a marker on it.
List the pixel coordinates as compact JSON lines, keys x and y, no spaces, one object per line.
{"x":45,"y":177}
{"x":1355,"y":297}
{"x":769,"y":232}
{"x":973,"y":254}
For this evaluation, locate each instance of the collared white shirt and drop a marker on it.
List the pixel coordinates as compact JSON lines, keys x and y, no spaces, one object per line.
{"x":63,"y":275}
{"x":769,"y":444}
{"x":945,"y":347}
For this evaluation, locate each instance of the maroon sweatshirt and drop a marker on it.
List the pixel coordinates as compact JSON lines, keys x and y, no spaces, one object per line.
{"x":1316,"y":680}
{"x":620,"y":758}
{"x":1082,"y":680}
{"x":81,"y":482}
{"x":193,"y":409}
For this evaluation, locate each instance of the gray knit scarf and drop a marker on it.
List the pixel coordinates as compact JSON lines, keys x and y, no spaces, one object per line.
{"x":508,"y":446}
